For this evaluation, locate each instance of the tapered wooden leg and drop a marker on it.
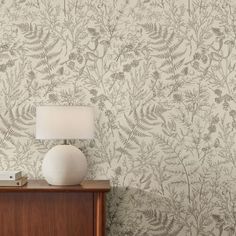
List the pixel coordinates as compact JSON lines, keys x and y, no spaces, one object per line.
{"x":99,"y":214}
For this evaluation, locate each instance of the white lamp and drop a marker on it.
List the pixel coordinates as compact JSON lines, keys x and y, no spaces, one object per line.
{"x":64,"y":164}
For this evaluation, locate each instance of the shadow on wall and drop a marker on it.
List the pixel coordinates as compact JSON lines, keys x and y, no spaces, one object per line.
{"x":134,"y":212}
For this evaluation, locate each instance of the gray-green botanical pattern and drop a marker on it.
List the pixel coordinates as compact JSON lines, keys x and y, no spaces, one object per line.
{"x":161,"y":75}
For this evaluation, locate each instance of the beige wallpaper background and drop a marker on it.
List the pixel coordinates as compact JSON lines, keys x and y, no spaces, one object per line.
{"x":161,"y":75}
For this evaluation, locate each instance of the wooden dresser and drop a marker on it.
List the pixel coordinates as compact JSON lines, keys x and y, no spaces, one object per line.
{"x":39,"y":209}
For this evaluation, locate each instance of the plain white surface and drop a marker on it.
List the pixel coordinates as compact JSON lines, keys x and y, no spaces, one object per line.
{"x":64,"y":165}
{"x":64,"y":122}
{"x":10,"y":175}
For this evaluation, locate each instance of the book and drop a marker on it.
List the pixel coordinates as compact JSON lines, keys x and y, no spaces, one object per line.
{"x":10,"y":175}
{"x":14,"y":183}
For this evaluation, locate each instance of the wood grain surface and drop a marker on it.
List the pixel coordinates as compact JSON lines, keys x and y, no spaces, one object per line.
{"x":42,"y":185}
{"x":39,"y":209}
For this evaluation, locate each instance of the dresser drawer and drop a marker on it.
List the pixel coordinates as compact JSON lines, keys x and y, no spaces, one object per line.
{"x":39,"y":209}
{"x":46,"y":214}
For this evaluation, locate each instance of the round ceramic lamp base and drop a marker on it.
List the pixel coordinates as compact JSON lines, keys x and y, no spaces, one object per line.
{"x":64,"y":165}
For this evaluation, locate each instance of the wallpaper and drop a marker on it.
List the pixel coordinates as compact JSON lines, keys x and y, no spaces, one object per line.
{"x":161,"y":76}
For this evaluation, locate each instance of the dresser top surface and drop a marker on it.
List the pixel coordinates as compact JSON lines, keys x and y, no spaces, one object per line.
{"x":43,"y":186}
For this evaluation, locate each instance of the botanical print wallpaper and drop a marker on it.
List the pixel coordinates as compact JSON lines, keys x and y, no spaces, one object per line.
{"x":161,"y":76}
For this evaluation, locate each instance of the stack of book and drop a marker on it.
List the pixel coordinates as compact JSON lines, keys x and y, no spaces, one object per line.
{"x":12,"y":179}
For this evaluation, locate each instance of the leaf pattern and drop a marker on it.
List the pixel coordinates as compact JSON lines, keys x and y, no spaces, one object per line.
{"x":160,"y":224}
{"x":161,"y":76}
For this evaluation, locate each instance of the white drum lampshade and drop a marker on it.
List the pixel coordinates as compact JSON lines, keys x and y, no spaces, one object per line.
{"x":64,"y":164}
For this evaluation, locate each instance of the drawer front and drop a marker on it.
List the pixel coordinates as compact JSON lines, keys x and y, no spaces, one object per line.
{"x":46,"y":214}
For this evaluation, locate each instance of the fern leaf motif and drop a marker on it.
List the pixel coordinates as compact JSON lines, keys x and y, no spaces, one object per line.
{"x":43,"y":49}
{"x":16,"y":124}
{"x":140,"y":126}
{"x":160,"y":224}
{"x":164,"y":46}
